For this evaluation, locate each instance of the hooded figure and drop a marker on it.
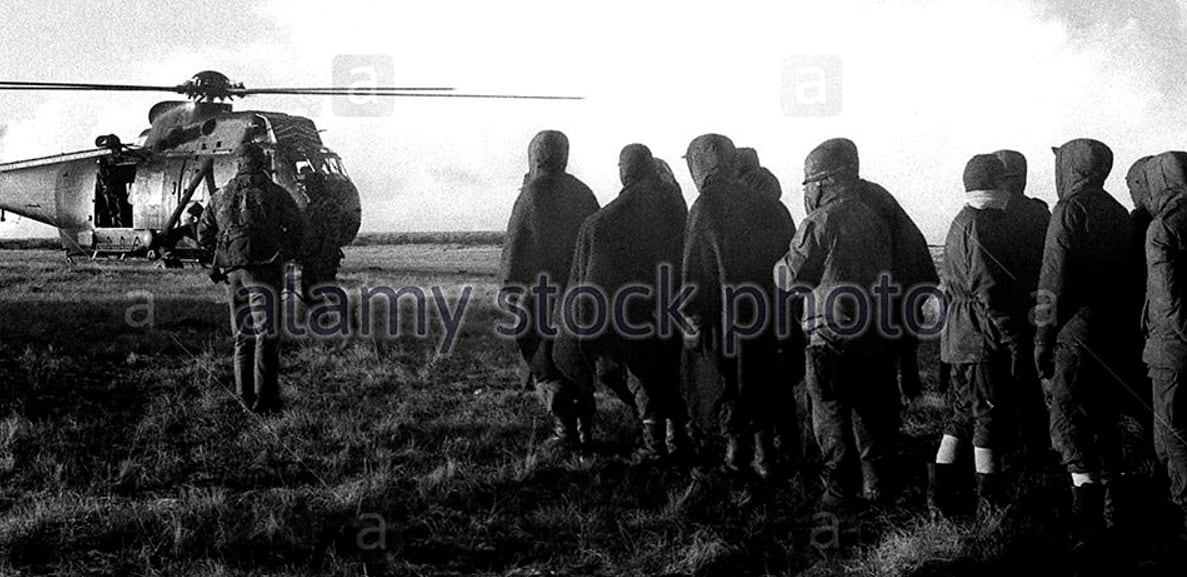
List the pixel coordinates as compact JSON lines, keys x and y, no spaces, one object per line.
{"x":841,"y":250}
{"x":983,"y":333}
{"x":539,"y":250}
{"x":1165,"y":318}
{"x":1028,"y":219}
{"x":1140,"y":217}
{"x":1078,"y":319}
{"x":629,"y":245}
{"x":756,"y":176}
{"x":913,"y":264}
{"x":672,"y":187}
{"x":733,"y":239}
{"x":791,"y":343}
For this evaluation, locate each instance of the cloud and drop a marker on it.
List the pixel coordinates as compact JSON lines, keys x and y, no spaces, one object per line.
{"x":927,"y":84}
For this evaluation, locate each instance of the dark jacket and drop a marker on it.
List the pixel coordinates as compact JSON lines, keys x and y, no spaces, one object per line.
{"x":541,"y":235}
{"x":324,"y":227}
{"x":251,"y":221}
{"x":841,"y":243}
{"x":1139,"y":223}
{"x":1028,"y":220}
{"x":913,"y":264}
{"x":756,"y":176}
{"x":1165,"y":315}
{"x":733,"y":238}
{"x":1087,"y":247}
{"x":979,"y":287}
{"x":623,"y":245}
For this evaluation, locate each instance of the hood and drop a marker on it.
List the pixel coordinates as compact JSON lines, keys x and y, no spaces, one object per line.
{"x":549,"y":152}
{"x":664,"y":171}
{"x":1080,"y":165}
{"x":635,"y":164}
{"x":711,"y":156}
{"x":832,"y":157}
{"x":1014,"y":177}
{"x":747,"y":160}
{"x":1135,"y":179}
{"x":1166,"y":176}
{"x":983,"y":172}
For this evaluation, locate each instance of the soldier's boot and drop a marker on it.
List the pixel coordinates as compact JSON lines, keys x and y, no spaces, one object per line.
{"x":564,"y":434}
{"x":941,"y":490}
{"x":679,"y":443}
{"x":765,"y":456}
{"x":875,"y":484}
{"x":585,"y":432}
{"x":739,"y":452}
{"x":1088,"y":503}
{"x":990,"y":494}
{"x":655,"y":446}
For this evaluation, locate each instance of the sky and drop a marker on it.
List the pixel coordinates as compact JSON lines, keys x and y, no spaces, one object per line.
{"x":919,"y":85}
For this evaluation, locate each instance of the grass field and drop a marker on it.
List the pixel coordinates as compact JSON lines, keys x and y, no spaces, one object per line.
{"x":123,"y":451}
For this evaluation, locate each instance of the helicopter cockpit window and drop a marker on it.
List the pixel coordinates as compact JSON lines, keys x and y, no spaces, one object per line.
{"x":303,"y":166}
{"x":334,"y":166}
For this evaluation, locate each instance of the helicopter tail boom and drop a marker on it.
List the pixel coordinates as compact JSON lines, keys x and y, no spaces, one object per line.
{"x":46,"y":189}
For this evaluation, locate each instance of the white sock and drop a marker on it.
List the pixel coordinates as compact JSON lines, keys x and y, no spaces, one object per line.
{"x":1080,"y":479}
{"x":949,"y":447}
{"x":985,"y":459}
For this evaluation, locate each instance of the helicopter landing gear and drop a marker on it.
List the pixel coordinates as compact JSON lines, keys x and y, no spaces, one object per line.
{"x":169,"y":263}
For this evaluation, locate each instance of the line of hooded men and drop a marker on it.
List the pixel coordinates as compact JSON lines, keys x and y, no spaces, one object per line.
{"x":541,"y":235}
{"x":845,"y":245}
{"x":733,"y":239}
{"x":633,"y":244}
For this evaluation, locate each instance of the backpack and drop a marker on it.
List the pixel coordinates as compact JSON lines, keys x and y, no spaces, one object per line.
{"x":248,"y":233}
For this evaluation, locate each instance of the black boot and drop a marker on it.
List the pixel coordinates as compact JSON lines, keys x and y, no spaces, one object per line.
{"x":990,"y":494}
{"x":564,"y":434}
{"x":941,"y":490}
{"x":876,"y":486}
{"x":678,"y":441}
{"x":1088,"y":504}
{"x":585,"y":432}
{"x":765,"y":460}
{"x":738,"y":454}
{"x":655,"y":446}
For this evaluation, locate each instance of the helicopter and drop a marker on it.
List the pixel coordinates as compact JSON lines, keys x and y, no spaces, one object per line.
{"x":142,"y":199}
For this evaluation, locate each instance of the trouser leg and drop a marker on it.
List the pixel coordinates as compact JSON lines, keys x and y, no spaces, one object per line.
{"x":611,"y":374}
{"x":1170,"y":430}
{"x":832,"y":424}
{"x":243,"y":359}
{"x":1071,"y":427}
{"x":876,"y":422}
{"x":255,"y":298}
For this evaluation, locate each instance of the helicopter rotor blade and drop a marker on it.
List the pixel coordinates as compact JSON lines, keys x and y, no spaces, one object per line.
{"x":334,"y":90}
{"x":15,"y":85}
{"x":405,"y":94}
{"x":398,"y":91}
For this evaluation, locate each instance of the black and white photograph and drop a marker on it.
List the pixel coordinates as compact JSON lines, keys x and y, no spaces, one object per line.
{"x":860,"y":288}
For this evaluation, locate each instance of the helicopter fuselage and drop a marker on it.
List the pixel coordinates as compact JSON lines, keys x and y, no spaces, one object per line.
{"x":138,"y":200}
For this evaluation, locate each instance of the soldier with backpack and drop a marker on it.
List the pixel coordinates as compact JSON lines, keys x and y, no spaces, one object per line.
{"x":253,"y":226}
